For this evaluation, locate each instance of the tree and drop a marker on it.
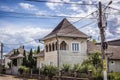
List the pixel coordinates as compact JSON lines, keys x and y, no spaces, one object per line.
{"x":38,"y":49}
{"x":31,"y":60}
{"x":25,"y":61}
{"x":94,"y":63}
{"x":94,"y":41}
{"x":17,"y":51}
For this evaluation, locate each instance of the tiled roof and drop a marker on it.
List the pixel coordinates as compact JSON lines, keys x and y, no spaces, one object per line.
{"x":111,"y":49}
{"x":65,"y":28}
{"x":114,"y":42}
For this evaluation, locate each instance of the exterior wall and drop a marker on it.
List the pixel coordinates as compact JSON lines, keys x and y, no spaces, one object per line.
{"x":7,"y":60}
{"x":40,"y":61}
{"x":114,"y":65}
{"x":15,"y":70}
{"x":67,"y":56}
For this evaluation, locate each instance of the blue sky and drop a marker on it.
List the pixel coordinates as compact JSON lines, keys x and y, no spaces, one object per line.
{"x":17,"y":28}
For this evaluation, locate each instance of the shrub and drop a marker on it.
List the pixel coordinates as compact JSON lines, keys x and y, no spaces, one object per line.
{"x":66,"y":67}
{"x":49,"y":71}
{"x":114,"y":76}
{"x":23,"y":69}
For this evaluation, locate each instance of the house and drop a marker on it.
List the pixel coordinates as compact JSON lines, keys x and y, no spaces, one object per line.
{"x":112,"y":53}
{"x":68,"y":41}
{"x":15,"y":57}
{"x":73,"y":47}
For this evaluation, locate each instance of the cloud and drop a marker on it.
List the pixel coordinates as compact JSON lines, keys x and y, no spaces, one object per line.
{"x":18,"y":35}
{"x":28,"y":6}
{"x":6,"y":8}
{"x":53,"y":6}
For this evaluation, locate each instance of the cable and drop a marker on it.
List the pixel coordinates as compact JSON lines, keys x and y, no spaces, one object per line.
{"x":62,"y":28}
{"x":82,"y":27}
{"x":37,"y":16}
{"x":114,"y":8}
{"x":60,"y":2}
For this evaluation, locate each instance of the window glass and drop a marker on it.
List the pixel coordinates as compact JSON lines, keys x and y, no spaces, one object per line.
{"x":75,"y":47}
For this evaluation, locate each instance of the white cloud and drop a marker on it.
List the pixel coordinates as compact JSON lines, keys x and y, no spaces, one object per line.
{"x":118,"y":30}
{"x":7,"y":8}
{"x":28,"y":6}
{"x":16,"y":35}
{"x":53,"y":6}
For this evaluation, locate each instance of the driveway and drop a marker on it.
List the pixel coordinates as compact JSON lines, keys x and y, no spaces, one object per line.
{"x":11,"y":77}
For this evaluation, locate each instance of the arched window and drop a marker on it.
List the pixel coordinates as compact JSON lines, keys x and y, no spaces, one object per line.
{"x":53,"y":47}
{"x":46,"y":48}
{"x":50,"y":47}
{"x":63,"y":45}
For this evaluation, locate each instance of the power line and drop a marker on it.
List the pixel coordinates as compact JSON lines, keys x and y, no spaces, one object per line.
{"x":76,"y":3}
{"x":42,"y":16}
{"x":82,"y":27}
{"x":62,"y":28}
{"x":114,"y":8}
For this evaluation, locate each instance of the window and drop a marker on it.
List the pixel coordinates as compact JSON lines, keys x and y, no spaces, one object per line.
{"x":46,"y":48}
{"x":75,"y":47}
{"x":63,"y":45}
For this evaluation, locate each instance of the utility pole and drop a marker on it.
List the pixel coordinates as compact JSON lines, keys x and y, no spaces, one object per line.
{"x":58,"y":52}
{"x":100,"y":25}
{"x":1,"y":52}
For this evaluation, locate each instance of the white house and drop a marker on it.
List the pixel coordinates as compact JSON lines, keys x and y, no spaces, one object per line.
{"x":64,"y":45}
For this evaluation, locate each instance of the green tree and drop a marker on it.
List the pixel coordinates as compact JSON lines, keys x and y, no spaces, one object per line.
{"x":94,"y":63}
{"x":31,"y":60}
{"x":17,"y":52}
{"x":94,"y":41}
{"x":38,"y":49}
{"x":25,"y":61}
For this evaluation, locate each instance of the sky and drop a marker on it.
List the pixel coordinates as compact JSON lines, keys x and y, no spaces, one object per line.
{"x":23,"y":22}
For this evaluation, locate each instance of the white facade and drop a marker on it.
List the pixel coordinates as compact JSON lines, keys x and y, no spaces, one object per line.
{"x":70,"y":55}
{"x":114,"y":65}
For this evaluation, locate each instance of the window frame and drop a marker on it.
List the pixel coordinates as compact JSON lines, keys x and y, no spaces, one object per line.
{"x":76,"y":47}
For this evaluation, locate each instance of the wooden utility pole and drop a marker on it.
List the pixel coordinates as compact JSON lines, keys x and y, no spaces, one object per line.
{"x":100,"y":25}
{"x":1,"y":51}
{"x":58,"y":52}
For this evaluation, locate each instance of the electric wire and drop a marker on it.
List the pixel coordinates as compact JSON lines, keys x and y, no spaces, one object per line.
{"x":76,"y":3}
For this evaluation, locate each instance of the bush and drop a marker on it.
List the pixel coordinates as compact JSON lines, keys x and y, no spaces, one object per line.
{"x":114,"y":76}
{"x":66,"y":67}
{"x":49,"y":71}
{"x":35,"y":71}
{"x":23,"y":69}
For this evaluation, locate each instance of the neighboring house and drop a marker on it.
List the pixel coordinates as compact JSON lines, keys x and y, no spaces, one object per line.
{"x":114,"y":42}
{"x":15,"y":58}
{"x":40,"y":59}
{"x":113,"y":54}
{"x":72,"y":45}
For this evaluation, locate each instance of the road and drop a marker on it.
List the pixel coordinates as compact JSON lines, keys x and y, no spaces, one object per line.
{"x":11,"y":77}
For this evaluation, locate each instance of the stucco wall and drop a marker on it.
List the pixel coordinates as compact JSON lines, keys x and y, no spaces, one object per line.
{"x":67,"y":56}
{"x":40,"y":61}
{"x":7,"y":60}
{"x":114,"y":65}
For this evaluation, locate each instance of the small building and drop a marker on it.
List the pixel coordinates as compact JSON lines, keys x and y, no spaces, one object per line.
{"x":15,"y":58}
{"x":64,"y":45}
